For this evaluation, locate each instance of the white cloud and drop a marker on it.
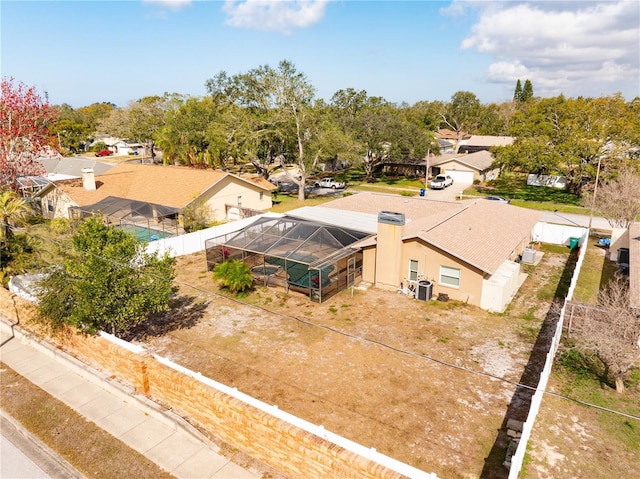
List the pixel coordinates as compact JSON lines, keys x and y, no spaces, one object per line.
{"x":274,"y":15}
{"x":560,"y":46}
{"x":172,"y":4}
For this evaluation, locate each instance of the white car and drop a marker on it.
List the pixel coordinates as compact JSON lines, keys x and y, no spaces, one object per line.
{"x":440,"y":182}
{"x":329,"y":183}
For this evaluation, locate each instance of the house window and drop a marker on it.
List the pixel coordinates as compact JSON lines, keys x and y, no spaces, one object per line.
{"x":239,"y":200}
{"x":50,"y":205}
{"x":450,"y":276}
{"x":413,"y":270}
{"x":261,"y":195}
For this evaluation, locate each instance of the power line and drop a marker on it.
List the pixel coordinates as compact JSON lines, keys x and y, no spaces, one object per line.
{"x":370,"y":341}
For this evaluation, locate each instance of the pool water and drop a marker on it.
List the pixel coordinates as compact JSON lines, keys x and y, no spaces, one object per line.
{"x":145,"y":235}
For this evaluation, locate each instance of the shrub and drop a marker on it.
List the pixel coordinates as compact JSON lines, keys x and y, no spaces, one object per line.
{"x":233,"y":275}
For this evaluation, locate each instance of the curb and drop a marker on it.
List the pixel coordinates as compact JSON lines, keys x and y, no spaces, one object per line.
{"x":45,"y":457}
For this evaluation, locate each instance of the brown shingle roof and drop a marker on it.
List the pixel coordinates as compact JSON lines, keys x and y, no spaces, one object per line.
{"x":488,"y":140}
{"x":165,"y":185}
{"x":480,"y":232}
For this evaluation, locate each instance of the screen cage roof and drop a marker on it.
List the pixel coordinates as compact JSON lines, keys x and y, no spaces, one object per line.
{"x":292,"y":239}
{"x":125,"y":209}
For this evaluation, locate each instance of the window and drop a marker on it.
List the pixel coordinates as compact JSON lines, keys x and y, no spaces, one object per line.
{"x":49,"y":205}
{"x":413,"y":270}
{"x":261,"y":195}
{"x":239,"y":200}
{"x":449,"y":276}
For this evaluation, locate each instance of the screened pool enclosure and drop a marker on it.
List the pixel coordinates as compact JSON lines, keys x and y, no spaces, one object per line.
{"x":316,"y":259}
{"x":148,"y":221}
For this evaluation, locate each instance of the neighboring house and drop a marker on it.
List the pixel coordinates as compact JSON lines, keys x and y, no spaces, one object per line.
{"x":469,"y":251}
{"x":465,"y":167}
{"x":163,"y":187}
{"x":454,"y":138}
{"x":476,"y":143}
{"x":56,"y":168}
{"x":120,"y":146}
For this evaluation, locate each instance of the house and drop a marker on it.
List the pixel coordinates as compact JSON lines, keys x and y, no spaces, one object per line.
{"x":625,"y":250}
{"x":465,"y":167}
{"x":169,"y":189}
{"x":120,"y":146}
{"x":468,"y":251}
{"x":483,"y":143}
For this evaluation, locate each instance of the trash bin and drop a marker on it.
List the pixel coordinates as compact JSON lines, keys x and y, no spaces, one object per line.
{"x":422,"y":191}
{"x":574,"y":243}
{"x":425,"y":290}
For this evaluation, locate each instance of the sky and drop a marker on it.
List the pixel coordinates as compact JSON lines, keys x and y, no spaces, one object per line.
{"x":84,"y":52}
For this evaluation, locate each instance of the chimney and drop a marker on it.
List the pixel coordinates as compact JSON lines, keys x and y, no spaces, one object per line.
{"x":88,"y":179}
{"x":389,"y":250}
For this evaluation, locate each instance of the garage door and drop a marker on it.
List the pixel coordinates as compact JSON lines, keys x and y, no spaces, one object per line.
{"x":460,"y":176}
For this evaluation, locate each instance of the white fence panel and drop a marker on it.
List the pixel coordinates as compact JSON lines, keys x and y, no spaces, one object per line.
{"x":557,"y":234}
{"x":193,"y":242}
{"x":536,"y":400}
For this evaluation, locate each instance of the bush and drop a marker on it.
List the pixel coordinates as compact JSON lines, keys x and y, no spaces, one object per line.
{"x":233,"y":275}
{"x":60,"y":226}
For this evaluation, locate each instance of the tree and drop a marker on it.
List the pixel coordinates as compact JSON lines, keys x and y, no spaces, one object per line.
{"x":108,"y":282}
{"x":527,"y":91}
{"x":281,"y":100}
{"x":24,"y":132}
{"x":611,"y":333}
{"x":12,"y":209}
{"x":462,"y":115}
{"x":141,"y":119}
{"x":234,"y":275}
{"x":517,"y":94}
{"x":618,"y":199}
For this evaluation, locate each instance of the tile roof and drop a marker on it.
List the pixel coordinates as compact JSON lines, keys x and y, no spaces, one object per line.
{"x":480,"y":232}
{"x":174,"y":186}
{"x":634,"y":265}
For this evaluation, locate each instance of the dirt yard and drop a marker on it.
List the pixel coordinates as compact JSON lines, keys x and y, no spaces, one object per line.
{"x":376,"y":367}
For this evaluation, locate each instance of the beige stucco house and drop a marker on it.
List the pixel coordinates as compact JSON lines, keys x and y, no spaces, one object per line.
{"x":468,"y":250}
{"x":173,"y":187}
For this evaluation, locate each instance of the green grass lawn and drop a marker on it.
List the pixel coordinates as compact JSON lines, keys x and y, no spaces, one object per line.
{"x":597,"y":270}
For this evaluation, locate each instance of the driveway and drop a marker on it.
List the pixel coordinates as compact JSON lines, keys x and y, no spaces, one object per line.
{"x":451,"y":193}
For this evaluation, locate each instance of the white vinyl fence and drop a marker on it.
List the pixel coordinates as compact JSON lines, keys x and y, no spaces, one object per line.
{"x":193,"y":242}
{"x":558,"y":234}
{"x":536,"y":400}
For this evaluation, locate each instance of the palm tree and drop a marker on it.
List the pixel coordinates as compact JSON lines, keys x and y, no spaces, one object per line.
{"x":12,"y":208}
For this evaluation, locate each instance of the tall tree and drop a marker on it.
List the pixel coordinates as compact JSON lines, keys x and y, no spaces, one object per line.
{"x":141,"y":120}
{"x":284,"y":98}
{"x":108,"y":282}
{"x":24,"y":132}
{"x":462,"y":115}
{"x":517,"y":94}
{"x":527,"y":91}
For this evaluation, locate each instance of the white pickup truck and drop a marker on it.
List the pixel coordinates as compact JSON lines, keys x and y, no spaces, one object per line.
{"x":329,"y":183}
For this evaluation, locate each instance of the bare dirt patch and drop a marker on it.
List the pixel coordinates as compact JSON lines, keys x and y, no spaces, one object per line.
{"x":374,"y":366}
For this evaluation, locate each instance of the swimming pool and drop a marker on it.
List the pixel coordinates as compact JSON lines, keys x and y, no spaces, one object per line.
{"x":145,"y":235}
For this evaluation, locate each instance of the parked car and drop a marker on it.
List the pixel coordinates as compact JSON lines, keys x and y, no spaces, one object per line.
{"x":104,"y":153}
{"x":498,"y":198}
{"x":329,"y":183}
{"x":440,"y":182}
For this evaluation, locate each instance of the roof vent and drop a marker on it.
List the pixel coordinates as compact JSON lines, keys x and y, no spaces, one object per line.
{"x":391,"y":218}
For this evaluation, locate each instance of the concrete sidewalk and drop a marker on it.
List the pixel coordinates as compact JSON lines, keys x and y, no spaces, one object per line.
{"x":163,"y":437}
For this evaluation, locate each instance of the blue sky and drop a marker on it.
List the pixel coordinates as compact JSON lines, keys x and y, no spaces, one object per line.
{"x":82,"y":52}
